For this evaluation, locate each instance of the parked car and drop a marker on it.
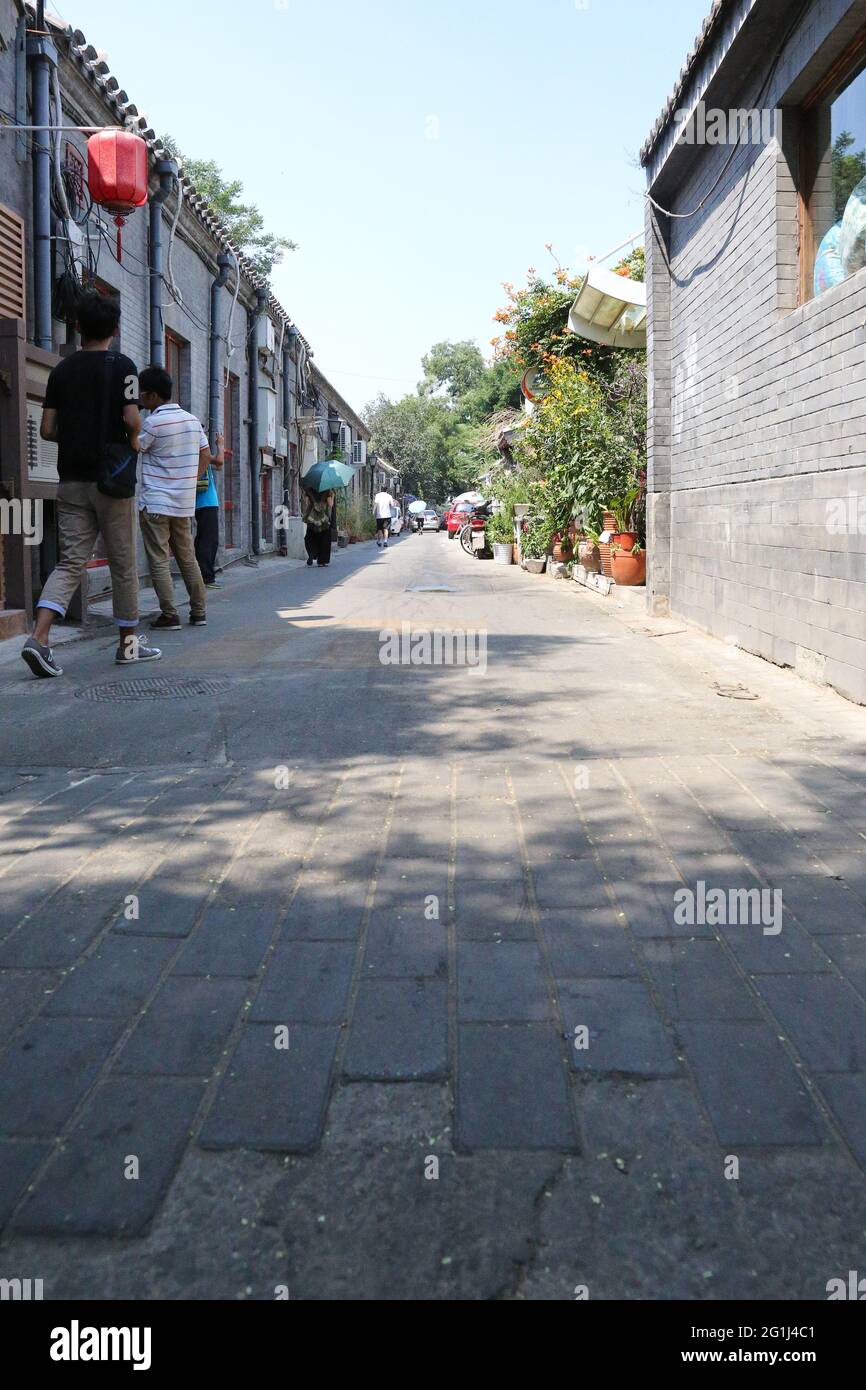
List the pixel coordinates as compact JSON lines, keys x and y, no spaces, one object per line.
{"x":432,"y":520}
{"x":396,"y":521}
{"x":454,"y":519}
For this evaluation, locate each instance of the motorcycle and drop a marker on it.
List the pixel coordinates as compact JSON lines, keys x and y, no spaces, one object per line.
{"x":473,"y":537}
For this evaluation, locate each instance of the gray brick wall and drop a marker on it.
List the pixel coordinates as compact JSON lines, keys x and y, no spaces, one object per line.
{"x":758,"y":407}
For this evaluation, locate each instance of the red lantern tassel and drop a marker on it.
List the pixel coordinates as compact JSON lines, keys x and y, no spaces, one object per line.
{"x":118,"y":222}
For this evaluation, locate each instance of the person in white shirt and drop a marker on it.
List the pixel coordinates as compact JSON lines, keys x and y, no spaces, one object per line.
{"x":382,"y":504}
{"x":175,"y":455}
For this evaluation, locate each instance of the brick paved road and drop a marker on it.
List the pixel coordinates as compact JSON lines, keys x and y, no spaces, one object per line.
{"x":243,"y":1010}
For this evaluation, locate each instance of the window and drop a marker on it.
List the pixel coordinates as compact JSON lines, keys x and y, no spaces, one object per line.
{"x":177,"y":366}
{"x":833,"y":175}
{"x":11,"y":265}
{"x":75,"y":179}
{"x":267,"y":506}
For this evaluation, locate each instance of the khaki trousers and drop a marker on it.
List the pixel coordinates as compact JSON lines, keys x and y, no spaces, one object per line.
{"x":163,"y":537}
{"x":83,"y":513}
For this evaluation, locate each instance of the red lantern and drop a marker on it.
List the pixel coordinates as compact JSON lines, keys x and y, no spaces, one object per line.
{"x":117,"y":173}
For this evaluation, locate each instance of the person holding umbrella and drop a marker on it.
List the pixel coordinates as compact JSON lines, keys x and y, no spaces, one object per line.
{"x":316,"y":512}
{"x":320,"y":484}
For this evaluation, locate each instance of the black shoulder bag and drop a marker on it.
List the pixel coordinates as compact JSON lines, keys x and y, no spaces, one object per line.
{"x":118,"y":463}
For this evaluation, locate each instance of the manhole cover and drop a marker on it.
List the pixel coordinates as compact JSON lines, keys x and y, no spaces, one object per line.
{"x":160,"y":688}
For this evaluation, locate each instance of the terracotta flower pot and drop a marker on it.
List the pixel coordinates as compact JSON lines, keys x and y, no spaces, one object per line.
{"x":629,"y":569}
{"x":587,"y":554}
{"x":604,"y":549}
{"x":515,"y":553}
{"x":624,"y":540}
{"x":562,"y":552}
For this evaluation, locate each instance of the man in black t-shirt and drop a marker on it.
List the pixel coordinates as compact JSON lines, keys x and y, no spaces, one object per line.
{"x":75,"y":416}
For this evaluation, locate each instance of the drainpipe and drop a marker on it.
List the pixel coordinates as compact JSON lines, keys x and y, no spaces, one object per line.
{"x":42,"y":55}
{"x":287,"y":465}
{"x":167,"y":170}
{"x":213,"y":400}
{"x":253,"y":317}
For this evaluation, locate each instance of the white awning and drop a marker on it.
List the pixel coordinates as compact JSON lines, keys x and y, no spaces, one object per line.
{"x":610,"y":310}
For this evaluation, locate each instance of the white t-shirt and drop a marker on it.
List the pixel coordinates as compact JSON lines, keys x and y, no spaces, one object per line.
{"x":382,"y":504}
{"x":170,"y":442}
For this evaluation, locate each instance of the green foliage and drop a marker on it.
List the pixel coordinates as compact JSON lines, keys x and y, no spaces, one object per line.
{"x":458,"y":367}
{"x":500,"y":531}
{"x":354,"y":516}
{"x":848,"y":171}
{"x":536,"y":321}
{"x":535,"y":540}
{"x":576,"y":448}
{"x":422,"y":437}
{"x":243,"y":222}
{"x":437,"y":437}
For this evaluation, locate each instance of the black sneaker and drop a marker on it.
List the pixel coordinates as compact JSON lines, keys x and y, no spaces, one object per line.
{"x":214,"y":584}
{"x":197,"y":621}
{"x":309,"y":563}
{"x":40,"y":659}
{"x":164,"y":624}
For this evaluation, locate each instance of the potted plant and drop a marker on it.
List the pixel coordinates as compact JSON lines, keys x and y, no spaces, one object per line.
{"x":535,"y":541}
{"x":500,"y":534}
{"x":588,"y":553}
{"x":563,"y":549}
{"x":629,"y":564}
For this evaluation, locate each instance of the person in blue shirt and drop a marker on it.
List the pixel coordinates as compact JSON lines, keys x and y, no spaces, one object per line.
{"x":207,"y":523}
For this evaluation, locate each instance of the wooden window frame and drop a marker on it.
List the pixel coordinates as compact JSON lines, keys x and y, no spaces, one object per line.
{"x":839,"y":75}
{"x":175,"y":343}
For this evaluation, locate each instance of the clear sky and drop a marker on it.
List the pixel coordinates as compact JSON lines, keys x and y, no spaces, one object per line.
{"x":419,"y":153}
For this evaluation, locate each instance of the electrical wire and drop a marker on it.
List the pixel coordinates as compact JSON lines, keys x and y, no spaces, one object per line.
{"x":681,"y":216}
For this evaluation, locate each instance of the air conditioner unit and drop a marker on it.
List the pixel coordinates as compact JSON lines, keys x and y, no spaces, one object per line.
{"x":270,"y":398}
{"x":359,"y":453}
{"x":41,"y":453}
{"x":345,"y":438}
{"x":283,"y":449}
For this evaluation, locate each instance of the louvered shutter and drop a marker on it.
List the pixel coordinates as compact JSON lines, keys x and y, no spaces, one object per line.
{"x":11,"y":265}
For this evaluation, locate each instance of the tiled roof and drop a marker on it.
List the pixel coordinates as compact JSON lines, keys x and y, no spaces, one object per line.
{"x":95,"y":69}
{"x":719,"y":9}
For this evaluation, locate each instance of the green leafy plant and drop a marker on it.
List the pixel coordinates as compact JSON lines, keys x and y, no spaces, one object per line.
{"x":500,"y":531}
{"x":622,"y":509}
{"x":535,"y":540}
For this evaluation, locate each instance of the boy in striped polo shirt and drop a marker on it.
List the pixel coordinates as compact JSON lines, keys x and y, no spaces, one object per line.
{"x":174,"y":454}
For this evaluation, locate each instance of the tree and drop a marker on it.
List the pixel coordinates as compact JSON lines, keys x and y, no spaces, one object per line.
{"x":459,"y":367}
{"x":243,"y":222}
{"x":848,"y":170}
{"x":422,"y":437}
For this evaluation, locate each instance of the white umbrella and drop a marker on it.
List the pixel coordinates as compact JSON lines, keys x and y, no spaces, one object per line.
{"x":416,"y":508}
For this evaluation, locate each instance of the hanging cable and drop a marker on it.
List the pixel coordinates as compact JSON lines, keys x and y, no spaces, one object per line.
{"x":680,"y":216}
{"x":227,"y":339}
{"x":172,"y":286}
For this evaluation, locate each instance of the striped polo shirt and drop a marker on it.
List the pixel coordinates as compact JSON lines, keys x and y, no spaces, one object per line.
{"x":170,"y":442}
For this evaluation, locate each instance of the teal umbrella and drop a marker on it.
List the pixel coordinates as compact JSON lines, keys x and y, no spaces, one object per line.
{"x":328,"y":474}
